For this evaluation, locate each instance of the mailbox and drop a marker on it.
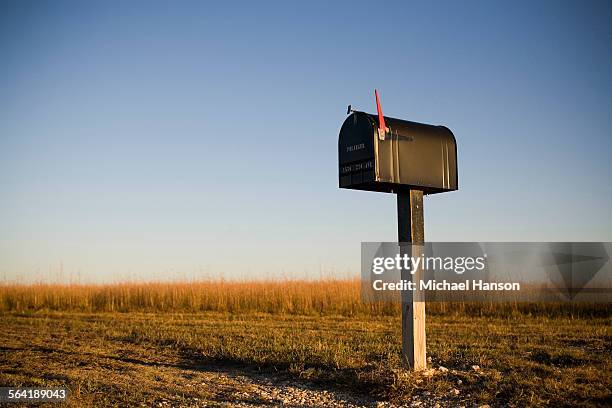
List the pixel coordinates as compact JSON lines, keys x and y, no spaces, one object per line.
{"x":407,"y":155}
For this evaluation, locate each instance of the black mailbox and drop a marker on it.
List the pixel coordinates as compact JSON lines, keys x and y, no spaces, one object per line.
{"x":408,"y":155}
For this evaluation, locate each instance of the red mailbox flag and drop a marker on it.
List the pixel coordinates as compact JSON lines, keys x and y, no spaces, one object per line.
{"x":382,"y":129}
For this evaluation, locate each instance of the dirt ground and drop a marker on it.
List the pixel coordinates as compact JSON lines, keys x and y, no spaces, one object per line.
{"x":224,"y":360}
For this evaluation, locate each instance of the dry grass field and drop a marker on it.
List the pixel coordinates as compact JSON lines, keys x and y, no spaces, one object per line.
{"x":294,"y":344}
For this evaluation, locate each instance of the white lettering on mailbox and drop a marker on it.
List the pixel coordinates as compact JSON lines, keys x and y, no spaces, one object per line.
{"x":355,"y":147}
{"x":357,"y":167}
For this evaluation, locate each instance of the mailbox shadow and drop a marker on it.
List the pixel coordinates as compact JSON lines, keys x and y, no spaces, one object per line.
{"x":346,"y":381}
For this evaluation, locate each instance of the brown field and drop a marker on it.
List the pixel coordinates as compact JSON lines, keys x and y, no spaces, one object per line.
{"x":296,"y":344}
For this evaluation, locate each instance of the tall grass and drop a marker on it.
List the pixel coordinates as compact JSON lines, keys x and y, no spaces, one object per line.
{"x":289,"y":297}
{"x":325,"y":297}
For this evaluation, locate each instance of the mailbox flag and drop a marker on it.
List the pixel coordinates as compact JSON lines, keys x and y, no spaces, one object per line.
{"x":382,"y":129}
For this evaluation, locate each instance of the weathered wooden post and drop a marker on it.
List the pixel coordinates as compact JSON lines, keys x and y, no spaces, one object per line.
{"x":376,"y":153}
{"x":410,"y":229}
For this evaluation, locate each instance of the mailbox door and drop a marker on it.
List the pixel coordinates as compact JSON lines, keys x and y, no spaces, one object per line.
{"x":356,"y":151}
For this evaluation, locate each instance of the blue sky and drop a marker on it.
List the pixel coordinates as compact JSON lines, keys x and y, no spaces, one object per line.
{"x":177,"y":140}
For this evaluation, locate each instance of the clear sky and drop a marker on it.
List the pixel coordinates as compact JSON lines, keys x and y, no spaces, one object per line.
{"x":177,"y":140}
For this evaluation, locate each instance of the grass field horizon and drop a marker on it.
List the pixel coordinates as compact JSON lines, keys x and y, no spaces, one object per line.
{"x":323,"y":296}
{"x":165,"y":336}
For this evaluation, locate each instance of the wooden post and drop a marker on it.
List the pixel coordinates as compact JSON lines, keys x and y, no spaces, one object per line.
{"x":410,"y":227}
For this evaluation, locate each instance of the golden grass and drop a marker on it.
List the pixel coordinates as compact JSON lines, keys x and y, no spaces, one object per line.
{"x":298,"y":297}
{"x":292,"y":297}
